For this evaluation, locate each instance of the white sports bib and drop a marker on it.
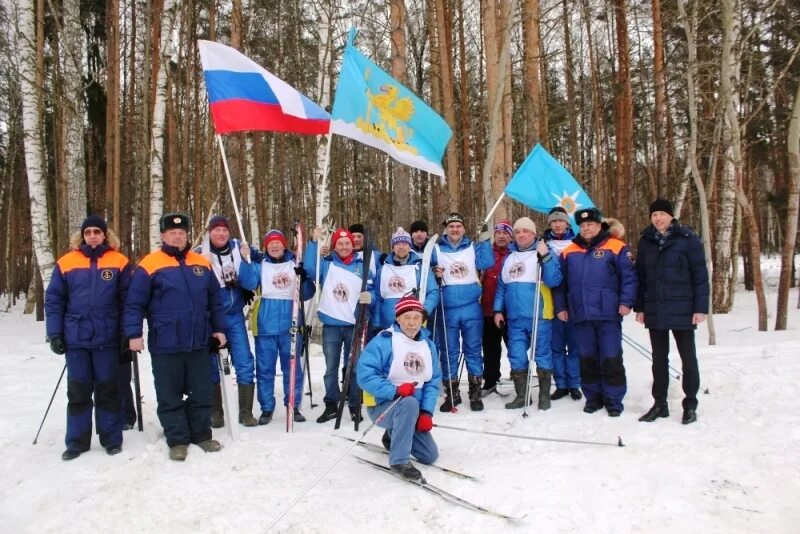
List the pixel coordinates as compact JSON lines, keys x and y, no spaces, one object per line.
{"x":278,"y":280}
{"x":411,"y":361}
{"x":459,"y":266}
{"x":340,"y":294}
{"x":521,"y":267}
{"x":229,"y":269}
{"x":558,"y":245}
{"x":397,"y":280}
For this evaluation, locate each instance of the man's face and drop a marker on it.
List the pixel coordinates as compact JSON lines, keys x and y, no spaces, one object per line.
{"x":358,"y":240}
{"x":275,"y":249}
{"x":455,"y":231}
{"x":419,"y":237}
{"x":410,"y":323}
{"x":219,"y":236}
{"x":502,"y":239}
{"x":524,"y":237}
{"x":661,"y":220}
{"x":558,"y":227}
{"x":93,"y":236}
{"x":590,"y":229}
{"x":401,"y":250}
{"x":175,"y":237}
{"x":343,"y":247}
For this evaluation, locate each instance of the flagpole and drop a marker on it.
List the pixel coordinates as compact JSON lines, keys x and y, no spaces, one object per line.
{"x":230,"y":186}
{"x":494,"y":208}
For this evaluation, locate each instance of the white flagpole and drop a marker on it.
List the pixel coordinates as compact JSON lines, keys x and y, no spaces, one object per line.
{"x":230,"y":186}
{"x":494,"y":208}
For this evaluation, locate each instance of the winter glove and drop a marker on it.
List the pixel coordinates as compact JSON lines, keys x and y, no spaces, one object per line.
{"x":213,"y":345}
{"x":248,"y":296}
{"x":424,"y":422}
{"x":125,"y":354}
{"x":405,"y":390}
{"x":483,"y":233}
{"x":57,"y":345}
{"x":301,"y":272}
{"x":364,"y":298}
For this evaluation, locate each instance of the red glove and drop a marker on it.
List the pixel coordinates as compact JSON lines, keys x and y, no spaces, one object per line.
{"x":405,"y":390}
{"x":424,"y":422}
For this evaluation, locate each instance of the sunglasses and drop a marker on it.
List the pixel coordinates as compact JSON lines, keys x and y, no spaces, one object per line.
{"x":92,"y":231}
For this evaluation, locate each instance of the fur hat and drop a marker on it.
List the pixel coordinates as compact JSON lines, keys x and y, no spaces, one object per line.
{"x":588,"y":215}
{"x":94,"y":221}
{"x":174,"y":220}
{"x":356,"y":228}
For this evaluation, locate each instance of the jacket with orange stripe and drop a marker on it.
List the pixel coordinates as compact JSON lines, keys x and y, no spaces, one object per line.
{"x":177,"y":292}
{"x":598,"y":276}
{"x":85,"y":297}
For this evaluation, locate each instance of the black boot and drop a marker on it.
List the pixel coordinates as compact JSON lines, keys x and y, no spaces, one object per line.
{"x":217,"y":414}
{"x":246,"y":392}
{"x":265,"y":418}
{"x":592,"y":405}
{"x":559,"y":393}
{"x":355,"y":415}
{"x":659,"y":409}
{"x":297,"y":417}
{"x":520,"y":379}
{"x":328,"y":414}
{"x":545,"y":379}
{"x":575,"y":393}
{"x":70,"y":454}
{"x":689,"y":416}
{"x":408,"y":471}
{"x":450,"y":403}
{"x":475,"y":401}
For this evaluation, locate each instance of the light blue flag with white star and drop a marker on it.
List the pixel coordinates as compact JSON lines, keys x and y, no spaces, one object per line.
{"x":542,"y":183}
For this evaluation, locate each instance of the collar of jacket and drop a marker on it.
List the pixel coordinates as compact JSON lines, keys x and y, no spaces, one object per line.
{"x":169,"y":250}
{"x":596,"y":240}
{"x":96,"y":252}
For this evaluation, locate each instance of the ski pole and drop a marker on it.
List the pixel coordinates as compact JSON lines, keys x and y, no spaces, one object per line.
{"x":137,"y":391}
{"x":532,"y":438}
{"x":534,"y":332}
{"x":453,"y":408}
{"x":319,"y":477}
{"x":50,"y":403}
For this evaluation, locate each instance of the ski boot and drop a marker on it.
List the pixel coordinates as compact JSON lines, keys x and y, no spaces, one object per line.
{"x":545,"y":378}
{"x":475,"y":401}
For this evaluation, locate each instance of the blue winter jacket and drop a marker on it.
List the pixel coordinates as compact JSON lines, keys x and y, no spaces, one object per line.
{"x":85,"y":297}
{"x":598,"y":276}
{"x":461,"y":295}
{"x":177,"y":292}
{"x":673,"y":278}
{"x":516,"y":299}
{"x":356,"y":266}
{"x":274,"y":316}
{"x":375,"y":362}
{"x":384,"y":315}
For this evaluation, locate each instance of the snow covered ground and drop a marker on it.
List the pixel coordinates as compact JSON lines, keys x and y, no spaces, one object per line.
{"x":735,"y":470}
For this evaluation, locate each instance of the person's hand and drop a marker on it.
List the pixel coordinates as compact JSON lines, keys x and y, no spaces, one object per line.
{"x":317,"y":233}
{"x":563,"y":315}
{"x":137,"y":344}
{"x":542,"y":250}
{"x":57,"y":345}
{"x":405,"y":390}
{"x":483,"y":232}
{"x":640,"y":317}
{"x":364,"y":297}
{"x":324,"y":250}
{"x":438,"y":271}
{"x":624,"y":310}
{"x":499,"y":319}
{"x":424,"y":422}
{"x":245,"y":251}
{"x":221,"y":337}
{"x":698,"y":318}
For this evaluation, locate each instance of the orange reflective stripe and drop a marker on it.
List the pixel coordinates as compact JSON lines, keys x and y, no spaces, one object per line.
{"x":193,"y":258}
{"x":613,"y":244}
{"x":572,"y":247}
{"x":157,"y":260}
{"x":111,"y":260}
{"x":73,"y":260}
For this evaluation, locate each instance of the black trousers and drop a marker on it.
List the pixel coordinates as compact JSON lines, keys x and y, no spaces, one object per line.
{"x":659,"y":340}
{"x":492,"y":351}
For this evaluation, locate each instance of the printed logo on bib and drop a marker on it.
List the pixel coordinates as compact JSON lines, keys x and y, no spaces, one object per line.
{"x":107,"y":274}
{"x":397,"y":284}
{"x":413,"y":363}
{"x":517,"y":270}
{"x":459,"y":270}
{"x":340,"y":292}
{"x":281,"y":281}
{"x":197,"y":270}
{"x":599,"y":254}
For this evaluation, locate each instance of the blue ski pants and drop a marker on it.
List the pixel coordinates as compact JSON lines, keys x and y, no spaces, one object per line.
{"x":401,"y":424}
{"x":519,"y":343}
{"x":239,"y":346}
{"x":464,"y":330}
{"x":566,"y":360}
{"x":268,"y":349}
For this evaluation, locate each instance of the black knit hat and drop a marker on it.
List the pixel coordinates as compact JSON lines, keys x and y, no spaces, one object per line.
{"x":94,"y":221}
{"x":219,"y":220}
{"x":357,"y":227}
{"x":453,"y":218}
{"x":661,"y":204}
{"x":588,"y":215}
{"x":170,"y":221}
{"x":419,"y":226}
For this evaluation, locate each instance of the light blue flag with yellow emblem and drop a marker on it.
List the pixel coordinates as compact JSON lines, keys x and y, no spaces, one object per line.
{"x":372,"y":107}
{"x":542,"y":183}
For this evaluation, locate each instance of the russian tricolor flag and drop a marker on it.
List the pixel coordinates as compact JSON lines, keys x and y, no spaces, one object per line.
{"x":244,"y":96}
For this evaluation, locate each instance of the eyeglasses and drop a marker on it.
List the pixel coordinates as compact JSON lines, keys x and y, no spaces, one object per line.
{"x":92,"y":231}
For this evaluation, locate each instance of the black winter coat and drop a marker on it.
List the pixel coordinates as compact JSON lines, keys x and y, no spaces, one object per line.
{"x":673,"y":279}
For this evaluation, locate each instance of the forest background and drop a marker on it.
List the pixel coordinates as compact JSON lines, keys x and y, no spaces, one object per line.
{"x":103,"y":110}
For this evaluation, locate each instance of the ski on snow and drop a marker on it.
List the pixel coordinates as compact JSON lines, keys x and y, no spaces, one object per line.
{"x":379,"y":449}
{"x":446,"y":495}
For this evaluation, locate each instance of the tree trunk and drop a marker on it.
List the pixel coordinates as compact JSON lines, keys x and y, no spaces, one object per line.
{"x":569,"y":82}
{"x":34,"y":149}
{"x":112,"y":140}
{"x":793,"y":204}
{"x":446,"y":76}
{"x":401,"y":186}
{"x":531,"y":80}
{"x":660,"y":96}
{"x":325,"y":17}
{"x":623,"y":115}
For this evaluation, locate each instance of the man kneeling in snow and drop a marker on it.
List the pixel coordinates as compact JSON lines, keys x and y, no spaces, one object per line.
{"x":401,"y":362}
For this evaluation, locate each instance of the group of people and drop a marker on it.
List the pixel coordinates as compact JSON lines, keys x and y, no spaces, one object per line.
{"x":556,"y":301}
